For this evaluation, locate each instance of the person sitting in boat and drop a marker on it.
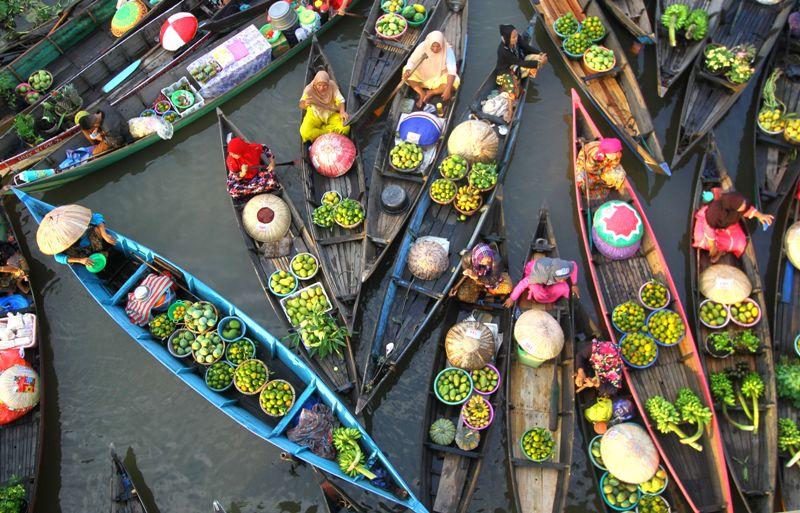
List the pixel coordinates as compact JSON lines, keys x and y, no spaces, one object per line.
{"x":547,"y":280}
{"x":14,"y":270}
{"x":246,"y":175}
{"x":325,"y":109}
{"x":718,"y":225}
{"x":432,"y":69}
{"x":517,"y":56}
{"x":598,"y":168}
{"x":598,"y":365}
{"x":105,"y":130}
{"x":73,"y":235}
{"x":482,"y":275}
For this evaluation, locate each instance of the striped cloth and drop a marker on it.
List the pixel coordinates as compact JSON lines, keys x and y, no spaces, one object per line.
{"x":139,"y":311}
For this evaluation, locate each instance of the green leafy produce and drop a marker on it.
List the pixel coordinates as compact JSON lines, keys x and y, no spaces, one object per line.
{"x":348,"y":212}
{"x":655,"y":484}
{"x":304,"y":265}
{"x":787,"y":381}
{"x":567,"y":24}
{"x":233,"y":329}
{"x":391,"y":25}
{"x":666,"y":326}
{"x":538,"y":444}
{"x":219,"y":375}
{"x":350,"y":456}
{"x":181,"y":342}
{"x":599,"y":58}
{"x":309,"y":301}
{"x":745,"y":312}
{"x":696,"y":25}
{"x":692,"y":412}
{"x":331,"y":198}
{"x":652,"y":504}
{"x":593,"y":28}
{"x":321,"y":334}
{"x":406,"y":156}
{"x":442,"y":431}
{"x":277,"y":397}
{"x":674,"y":18}
{"x":453,"y":385}
{"x":322,"y":216}
{"x":577,"y":43}
{"x":485,"y":380}
{"x":207,"y":348}
{"x":454,"y":167}
{"x":618,"y":494}
{"x":200,"y":317}
{"x":638,"y":349}
{"x":239,"y":351}
{"x":12,"y":496}
{"x":628,"y":317}
{"x":483,"y":176}
{"x":250,"y":376}
{"x":443,"y":190}
{"x":282,"y":282}
{"x":161,"y":326}
{"x":654,"y":295}
{"x":723,"y":393}
{"x":713,"y":314}
{"x":667,"y":418}
{"x":23,"y":126}
{"x":476,"y":412}
{"x":753,"y":387}
{"x":746,"y":340}
{"x":789,"y":440}
{"x":720,"y":343}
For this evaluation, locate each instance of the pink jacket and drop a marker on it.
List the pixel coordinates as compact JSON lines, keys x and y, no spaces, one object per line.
{"x":543,"y":293}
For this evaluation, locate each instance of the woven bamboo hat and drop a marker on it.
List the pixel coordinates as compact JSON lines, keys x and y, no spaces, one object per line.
{"x":266,"y":218}
{"x":62,"y":227}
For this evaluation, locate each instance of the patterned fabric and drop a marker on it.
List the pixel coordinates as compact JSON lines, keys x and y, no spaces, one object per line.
{"x":728,"y":240}
{"x":263,"y":181}
{"x":618,"y":224}
{"x":606,"y":362}
{"x":139,"y":311}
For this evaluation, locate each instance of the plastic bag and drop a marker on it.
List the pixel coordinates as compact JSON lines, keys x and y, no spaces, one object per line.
{"x":142,"y":127}
{"x":313,"y":430}
{"x":497,"y":106}
{"x":623,"y":410}
{"x":599,"y":411}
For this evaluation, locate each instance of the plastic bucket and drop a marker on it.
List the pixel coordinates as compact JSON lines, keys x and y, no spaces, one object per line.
{"x":627,"y":362}
{"x":296,"y":284}
{"x":647,"y":323}
{"x":171,"y":310}
{"x":758,"y":319}
{"x":491,"y":415}
{"x":172,"y":350}
{"x":713,"y":353}
{"x":291,"y":266}
{"x":499,"y":382}
{"x":525,"y":358}
{"x":522,"y":447}
{"x":99,"y":261}
{"x":603,"y":495}
{"x":663,"y":488}
{"x":796,"y":347}
{"x":249,"y":357}
{"x":591,"y":456}
{"x":205,"y":376}
{"x":663,"y":500}
{"x":436,"y":389}
{"x":573,"y":56}
{"x":727,"y":318}
{"x":669,"y":295}
{"x":564,"y":36}
{"x":224,"y":322}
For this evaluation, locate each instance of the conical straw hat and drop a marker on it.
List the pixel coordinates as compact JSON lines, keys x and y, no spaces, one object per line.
{"x":62,"y":227}
{"x":266,"y":218}
{"x":19,"y":387}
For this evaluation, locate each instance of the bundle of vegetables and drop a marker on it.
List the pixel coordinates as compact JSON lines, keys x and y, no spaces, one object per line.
{"x":789,"y":440}
{"x":692,"y":412}
{"x":787,"y":381}
{"x":13,"y":497}
{"x":667,"y":418}
{"x":771,"y":116}
{"x":674,"y":18}
{"x":696,"y":25}
{"x":753,"y":387}
{"x":720,"y":344}
{"x":350,"y":457}
{"x":746,"y":341}
{"x":321,"y":334}
{"x":723,"y":392}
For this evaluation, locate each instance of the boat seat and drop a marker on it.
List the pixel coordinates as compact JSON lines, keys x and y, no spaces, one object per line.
{"x":377,"y":240}
{"x":613,"y":72}
{"x":519,"y":462}
{"x":452,"y":450}
{"x":385,"y":42}
{"x":129,"y":284}
{"x":294,"y":410}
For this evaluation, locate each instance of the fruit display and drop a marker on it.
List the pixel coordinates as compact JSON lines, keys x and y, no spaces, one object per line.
{"x":331,"y":198}
{"x":719,"y":344}
{"x":250,"y":376}
{"x":219,"y":376}
{"x":32,"y":97}
{"x":231,"y":329}
{"x":348,"y":213}
{"x":454,"y":167}
{"x":638,"y":349}
{"x":406,"y":156}
{"x":713,"y":314}
{"x":276,"y":398}
{"x":593,"y":28}
{"x":282,"y":283}
{"x":322,"y":335}
{"x":771,"y":121}
{"x":653,"y":504}
{"x":304,"y":266}
{"x":162,"y":107}
{"x":654,"y":295}
{"x":393,"y":5}
{"x":180,"y":343}
{"x":746,"y":342}
{"x":443,"y":191}
{"x":391,"y":25}
{"x":207,"y":348}
{"x":745,"y":313}
{"x":485,"y":380}
{"x":205,"y":72}
{"x":666,"y":327}
{"x":576,"y":44}
{"x":305,"y":302}
{"x":656,"y":484}
{"x":594,"y":450}
{"x":617,"y":494}
{"x":239,"y":351}
{"x":453,"y":386}
{"x":161,"y":326}
{"x":567,"y":25}
{"x":415,"y":13}
{"x":599,"y":58}
{"x":792,"y":131}
{"x":628,"y":317}
{"x":468,"y":199}
{"x":323,"y":216}
{"x":442,"y":431}
{"x":200,"y":317}
{"x":538,"y":444}
{"x":483,"y":176}
{"x":23,"y":88}
{"x":41,"y":80}
{"x":477,"y":412}
{"x":177,"y":311}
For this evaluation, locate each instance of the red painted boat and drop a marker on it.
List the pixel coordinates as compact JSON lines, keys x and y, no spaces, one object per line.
{"x":701,"y":475}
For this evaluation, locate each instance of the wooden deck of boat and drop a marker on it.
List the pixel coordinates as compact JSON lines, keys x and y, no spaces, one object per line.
{"x":632,"y":14}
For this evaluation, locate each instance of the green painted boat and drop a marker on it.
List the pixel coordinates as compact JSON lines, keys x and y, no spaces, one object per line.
{"x":134,"y":97}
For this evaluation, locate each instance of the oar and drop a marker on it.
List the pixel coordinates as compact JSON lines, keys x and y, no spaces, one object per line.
{"x":353,"y":15}
{"x":586,"y":191}
{"x":379,"y":111}
{"x":64,"y":16}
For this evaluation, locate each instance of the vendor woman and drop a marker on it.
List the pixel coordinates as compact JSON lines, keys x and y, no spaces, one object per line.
{"x":546,"y":280}
{"x":246,"y":174}
{"x":325,"y":109}
{"x":72,"y":234}
{"x":105,"y":130}
{"x":517,"y":56}
{"x":598,"y":168}
{"x":718,"y":225}
{"x":432,"y":69}
{"x":482,"y":275}
{"x":599,"y":365}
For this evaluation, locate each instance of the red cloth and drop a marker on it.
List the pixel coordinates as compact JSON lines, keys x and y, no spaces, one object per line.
{"x":139,"y":311}
{"x":249,"y":155}
{"x":728,"y":240}
{"x":8,"y":359}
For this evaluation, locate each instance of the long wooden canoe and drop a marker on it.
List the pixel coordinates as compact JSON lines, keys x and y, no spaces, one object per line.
{"x":22,"y":440}
{"x":673,"y":61}
{"x":632,"y":14}
{"x":786,"y":326}
{"x":383,"y":225}
{"x":129,"y":262}
{"x":701,"y":476}
{"x":140,"y":96}
{"x":341,"y":250}
{"x":377,"y":60}
{"x":542,"y":397}
{"x":615,"y":93}
{"x":338,"y":370}
{"x":708,"y":97}
{"x":26,"y":35}
{"x":124,"y":495}
{"x":752,"y":457}
{"x":449,"y":474}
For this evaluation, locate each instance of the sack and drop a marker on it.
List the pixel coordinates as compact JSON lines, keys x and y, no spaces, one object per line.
{"x":497,"y":106}
{"x":19,"y":387}
{"x":422,"y":128}
{"x":142,"y":127}
{"x":314,"y":429}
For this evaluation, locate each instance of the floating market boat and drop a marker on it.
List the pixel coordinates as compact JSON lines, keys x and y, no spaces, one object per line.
{"x":387,"y":214}
{"x":141,"y":96}
{"x":633,"y":16}
{"x":709,"y":97}
{"x":268,"y":257}
{"x":701,"y":475}
{"x":751,"y":456}
{"x":379,"y":59}
{"x":124,"y":496}
{"x":785,"y":328}
{"x":674,"y":60}
{"x":128,"y":263}
{"x":542,"y":397}
{"x":450,"y":472}
{"x":775,"y":165}
{"x":334,"y":498}
{"x":409,"y":303}
{"x":341,"y":250}
{"x":615,"y":92}
{"x":19,"y":39}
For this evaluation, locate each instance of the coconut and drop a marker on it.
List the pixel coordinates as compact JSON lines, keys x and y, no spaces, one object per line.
{"x":628,"y":453}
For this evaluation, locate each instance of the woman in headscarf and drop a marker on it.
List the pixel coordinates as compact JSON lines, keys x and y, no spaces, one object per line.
{"x":547,"y":280}
{"x":104,"y":129}
{"x":599,"y":167}
{"x":325,"y":108}
{"x":59,"y":235}
{"x":718,"y":225}
{"x":246,"y":172}
{"x":482,"y":274}
{"x":517,"y":56}
{"x":432,"y":69}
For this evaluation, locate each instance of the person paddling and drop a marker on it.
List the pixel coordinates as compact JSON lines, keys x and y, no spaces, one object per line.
{"x":246,"y":174}
{"x":546,"y":280}
{"x":432,"y":69}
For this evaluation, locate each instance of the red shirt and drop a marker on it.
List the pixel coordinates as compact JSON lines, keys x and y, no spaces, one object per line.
{"x":251,"y":160}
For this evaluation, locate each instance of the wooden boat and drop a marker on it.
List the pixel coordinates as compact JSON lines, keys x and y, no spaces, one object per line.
{"x":709,"y":97}
{"x":124,"y":496}
{"x":615,"y":93}
{"x":129,"y":262}
{"x":701,"y":476}
{"x":542,"y":397}
{"x":20,"y":38}
{"x":140,"y":96}
{"x":22,"y":440}
{"x":341,"y":250}
{"x":408,"y":306}
{"x":752,"y":458}
{"x":377,"y":60}
{"x":632,"y":14}
{"x":384,"y":225}
{"x":450,"y":474}
{"x":785,"y":327}
{"x":334,"y":499}
{"x":674,"y":61}
{"x":776,"y":170}
{"x":339,"y":371}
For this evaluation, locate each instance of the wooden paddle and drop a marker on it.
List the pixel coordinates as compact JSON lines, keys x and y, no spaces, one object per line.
{"x":379,"y":111}
{"x":352,"y":15}
{"x":64,"y":15}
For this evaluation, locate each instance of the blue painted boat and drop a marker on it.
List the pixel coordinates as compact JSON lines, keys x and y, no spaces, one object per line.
{"x":129,"y":262}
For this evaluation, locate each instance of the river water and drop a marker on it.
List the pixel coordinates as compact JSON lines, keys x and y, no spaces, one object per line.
{"x":102,"y":388}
